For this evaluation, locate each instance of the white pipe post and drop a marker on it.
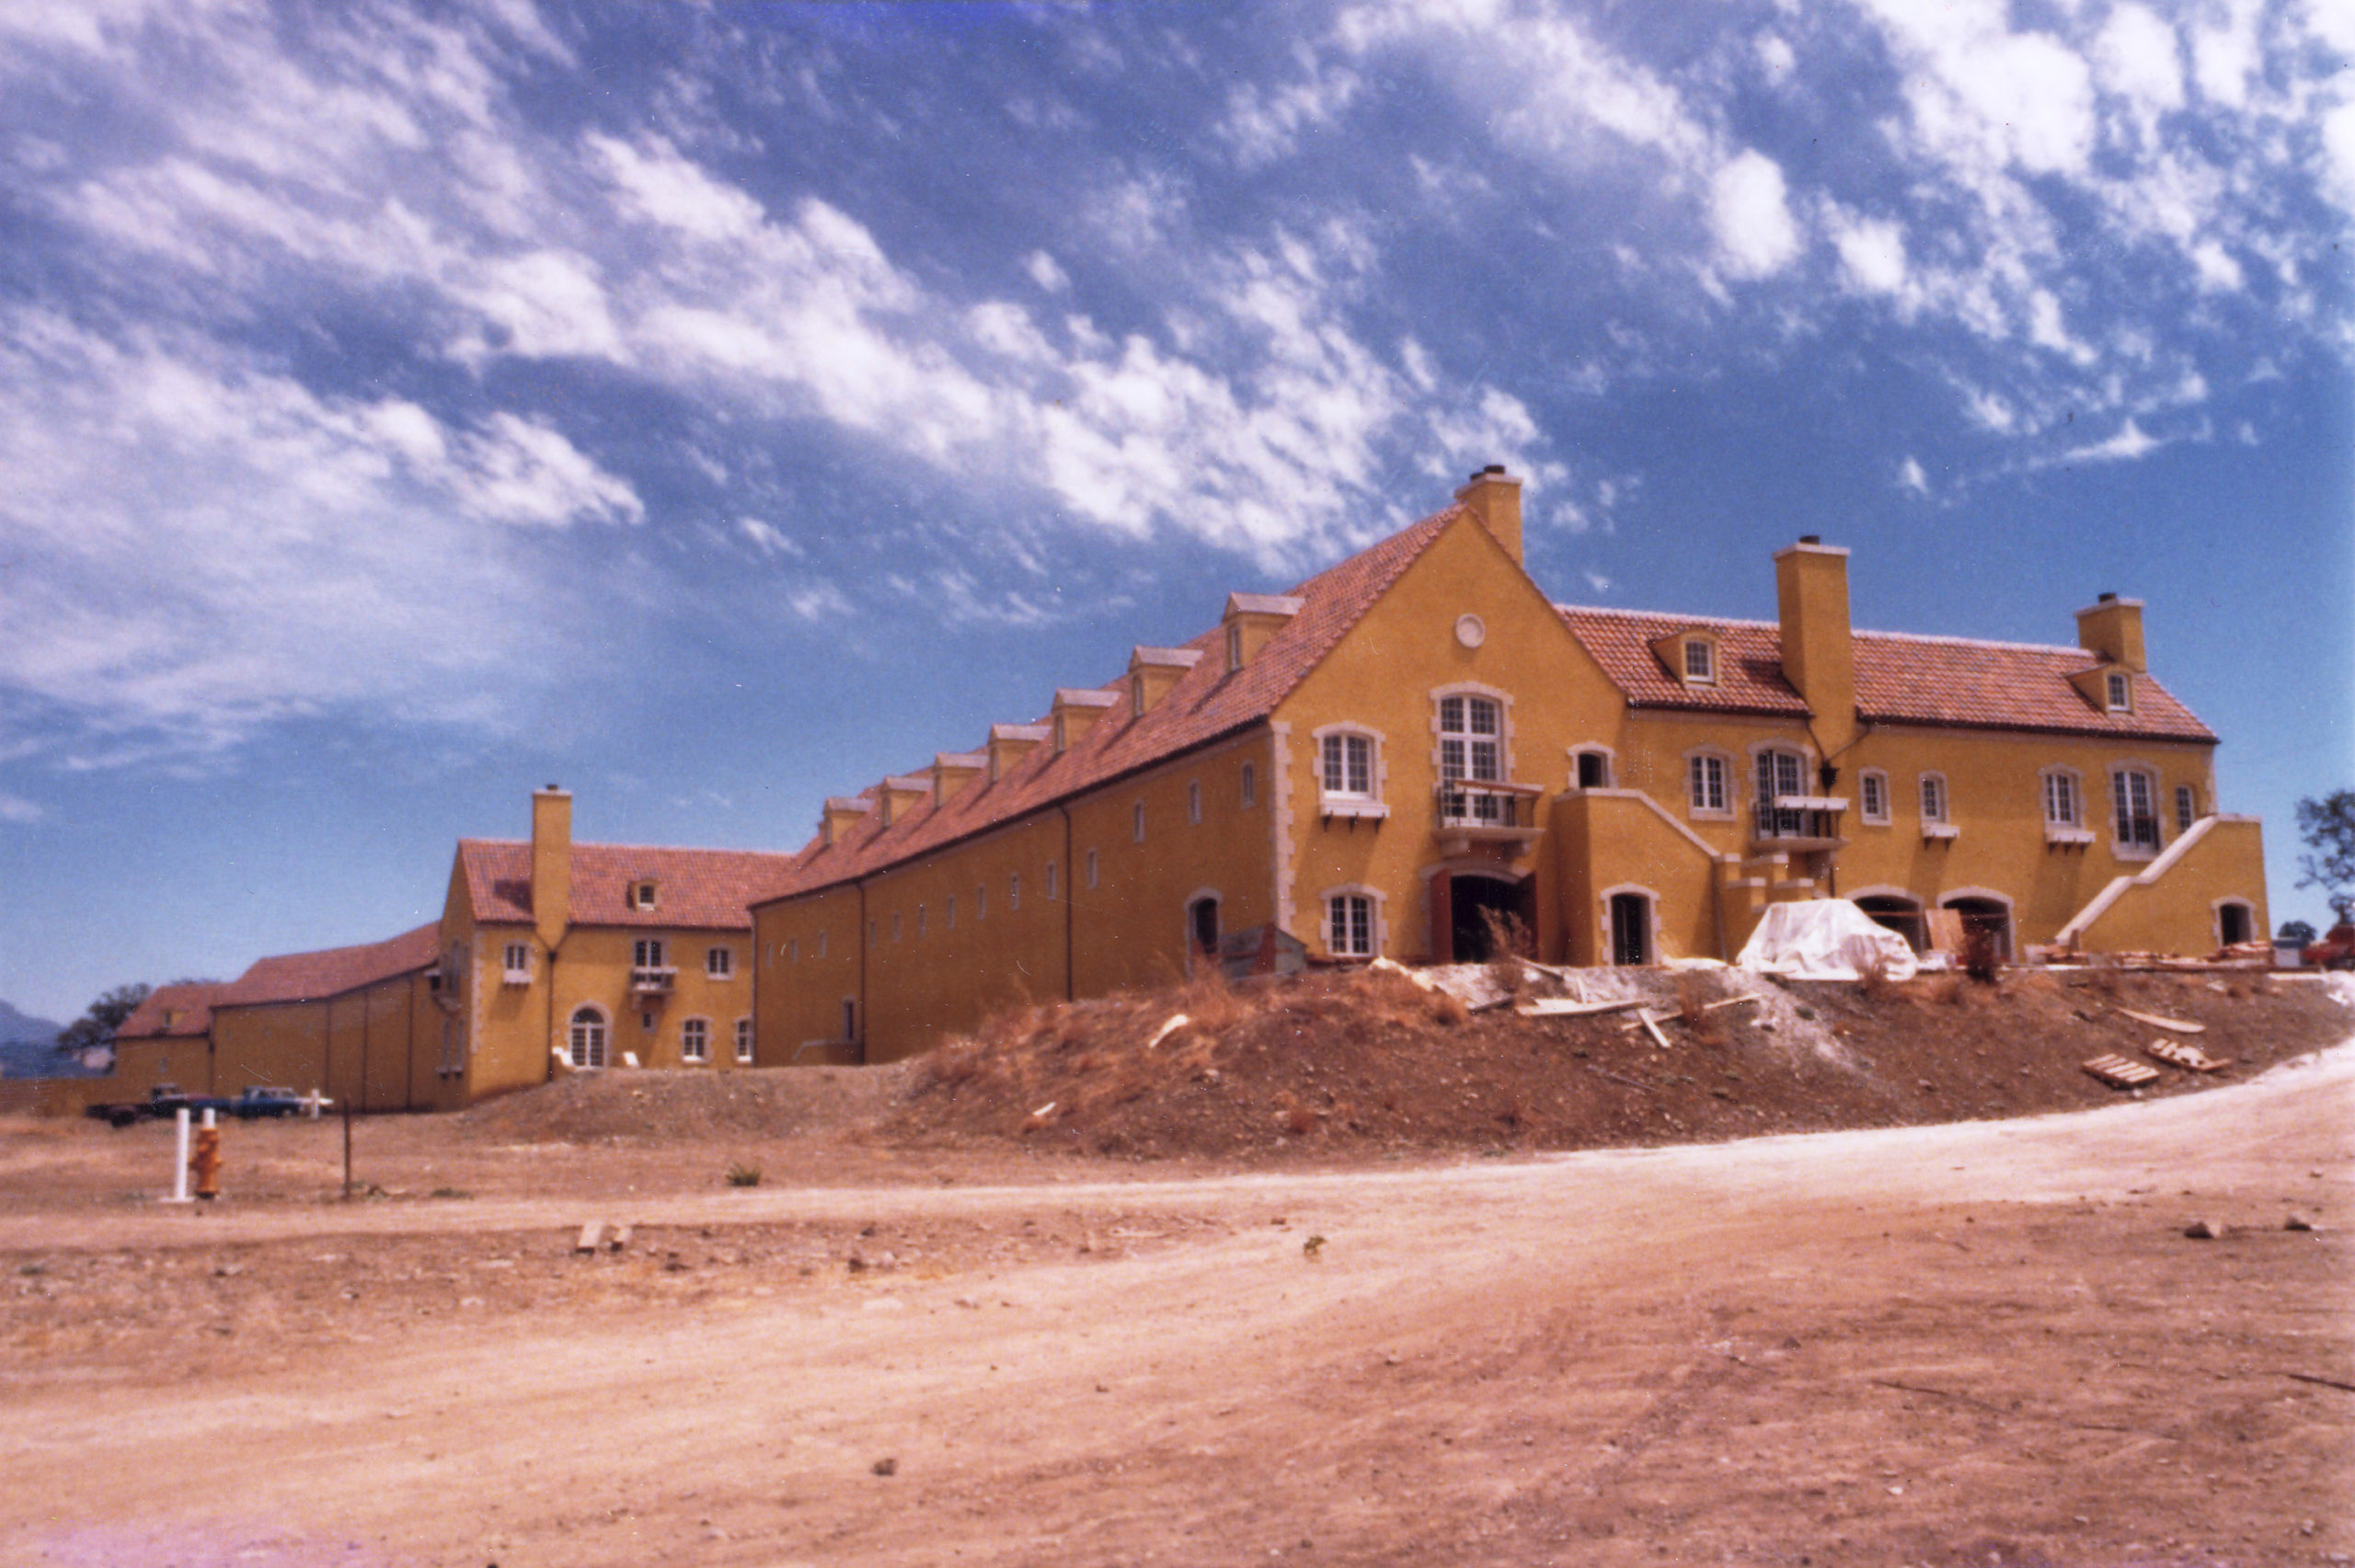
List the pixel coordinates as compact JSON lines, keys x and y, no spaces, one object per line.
{"x":180,"y":1163}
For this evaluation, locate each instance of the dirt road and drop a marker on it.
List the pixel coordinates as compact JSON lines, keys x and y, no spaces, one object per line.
{"x":1986,"y":1342}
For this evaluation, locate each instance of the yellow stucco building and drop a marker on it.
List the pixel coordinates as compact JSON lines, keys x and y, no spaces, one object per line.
{"x":1367,"y":763}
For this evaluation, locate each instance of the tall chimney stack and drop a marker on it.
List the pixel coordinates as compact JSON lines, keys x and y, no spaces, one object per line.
{"x":1494,"y":496}
{"x":551,"y":865}
{"x":1819,"y":649}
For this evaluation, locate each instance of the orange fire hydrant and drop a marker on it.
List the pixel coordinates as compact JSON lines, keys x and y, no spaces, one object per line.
{"x":204,"y":1162}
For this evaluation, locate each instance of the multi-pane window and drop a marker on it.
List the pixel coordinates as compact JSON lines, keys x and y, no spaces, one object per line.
{"x":2186,"y":808}
{"x":585,"y":1039}
{"x":744,"y":1041}
{"x":1781,"y":776}
{"x":1872,"y":789}
{"x":517,"y":961}
{"x":695,"y":1040}
{"x":2135,"y":798}
{"x":1704,"y":782}
{"x":719,"y":963}
{"x":2121,"y":694}
{"x":2061,"y":807}
{"x":1348,"y":923}
{"x":1934,"y":798}
{"x":1700,"y":659}
{"x":646,"y":953}
{"x":1471,"y":750}
{"x":1347,"y":766}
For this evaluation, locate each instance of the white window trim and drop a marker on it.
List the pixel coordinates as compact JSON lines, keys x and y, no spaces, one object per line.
{"x":1758,"y":751}
{"x":2056,"y":832}
{"x":2114,"y":682}
{"x":511,"y":972}
{"x":2119,"y":847}
{"x":2187,"y":807}
{"x":1945,"y":817}
{"x":1684,"y":644}
{"x":604,"y":1022}
{"x":719,"y":963}
{"x":1344,"y":802}
{"x":1864,"y":812}
{"x":1610,"y":764}
{"x":687,"y":1024}
{"x":1604,"y":956}
{"x":1506,"y":765}
{"x":1380,"y":933}
{"x":1700,"y":813}
{"x":746,"y":1042}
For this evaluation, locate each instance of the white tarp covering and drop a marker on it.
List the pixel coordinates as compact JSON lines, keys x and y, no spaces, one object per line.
{"x":1824,"y":939}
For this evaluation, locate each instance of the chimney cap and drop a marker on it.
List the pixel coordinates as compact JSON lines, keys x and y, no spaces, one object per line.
{"x":1810,"y":538}
{"x":552,"y":789}
{"x":2105,"y":598}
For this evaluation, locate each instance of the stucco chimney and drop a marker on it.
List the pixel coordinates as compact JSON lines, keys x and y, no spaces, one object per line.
{"x":1819,"y":649}
{"x":2112,"y":627}
{"x":1494,"y":496}
{"x":551,"y":865}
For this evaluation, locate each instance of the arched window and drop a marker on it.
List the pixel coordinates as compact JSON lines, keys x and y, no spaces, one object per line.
{"x":585,"y":1041}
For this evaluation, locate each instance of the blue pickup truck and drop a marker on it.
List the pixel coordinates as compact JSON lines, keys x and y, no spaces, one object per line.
{"x":168,"y":1099}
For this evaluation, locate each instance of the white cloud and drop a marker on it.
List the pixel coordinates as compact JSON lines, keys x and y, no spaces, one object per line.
{"x":2217,"y":271}
{"x":17,"y":809}
{"x":1872,"y":255}
{"x":1775,"y":58}
{"x":2128,"y":444}
{"x":2138,"y":58}
{"x":1755,"y":234}
{"x":1264,"y":125}
{"x":768,"y":539}
{"x":1911,"y":477}
{"x":1046,"y":273}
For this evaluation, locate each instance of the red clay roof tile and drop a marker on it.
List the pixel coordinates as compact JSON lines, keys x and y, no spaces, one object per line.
{"x":309,"y":977}
{"x":189,"y":1006}
{"x":699,"y":889}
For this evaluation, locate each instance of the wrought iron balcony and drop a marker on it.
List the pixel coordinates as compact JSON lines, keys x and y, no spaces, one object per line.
{"x":651,"y":980}
{"x":1798,"y":822}
{"x":1487,"y":811}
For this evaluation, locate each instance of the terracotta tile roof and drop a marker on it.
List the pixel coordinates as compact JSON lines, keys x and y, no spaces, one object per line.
{"x":700,"y":889}
{"x":309,"y":977}
{"x":1205,"y":702}
{"x":1901,"y":678}
{"x":192,"y":1003}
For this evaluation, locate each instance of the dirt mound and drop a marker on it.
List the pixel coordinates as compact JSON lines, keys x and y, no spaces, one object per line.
{"x":1340,"y":1064}
{"x":687,"y":1106}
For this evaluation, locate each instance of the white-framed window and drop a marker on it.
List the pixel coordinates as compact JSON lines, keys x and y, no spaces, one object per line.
{"x":1706,"y":788}
{"x":585,"y":1038}
{"x":2121,"y":689}
{"x":744,"y":1041}
{"x":1781,"y":773}
{"x":646,"y":953}
{"x":641,"y":894}
{"x":1136,"y":823}
{"x":1014,"y":891}
{"x":2062,"y":806}
{"x":719,"y":963}
{"x":1051,"y":881}
{"x":1250,"y":785}
{"x":1193,"y":800}
{"x":1934,"y":797}
{"x":1350,"y":924}
{"x":1700,"y":661}
{"x":1471,"y":750}
{"x":948,"y":912}
{"x":1091,"y":870}
{"x":2187,"y":807}
{"x":516,"y":963}
{"x":1345,"y":765}
{"x":695,"y":1040}
{"x":2135,"y":810}
{"x":1872,"y":796}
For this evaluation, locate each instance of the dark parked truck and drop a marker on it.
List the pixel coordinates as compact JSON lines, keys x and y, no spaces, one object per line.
{"x":258,"y":1101}
{"x":168,"y":1099}
{"x":163,"y":1100}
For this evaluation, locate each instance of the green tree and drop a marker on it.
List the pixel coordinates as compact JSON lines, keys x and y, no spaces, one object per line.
{"x":97,"y":1027}
{"x":2328,"y":828}
{"x":2298,"y":932}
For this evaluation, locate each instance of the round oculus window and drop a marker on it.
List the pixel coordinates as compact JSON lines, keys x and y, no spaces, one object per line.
{"x":1470,"y":632}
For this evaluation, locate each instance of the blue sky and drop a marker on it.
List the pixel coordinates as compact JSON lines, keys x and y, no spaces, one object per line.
{"x":713,"y":409}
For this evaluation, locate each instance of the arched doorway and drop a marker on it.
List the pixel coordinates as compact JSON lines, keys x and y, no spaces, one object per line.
{"x":1201,"y":924}
{"x":1631,"y":928}
{"x":585,"y":1040}
{"x":1990,"y":915}
{"x":1473,"y":900}
{"x":1900,"y":914}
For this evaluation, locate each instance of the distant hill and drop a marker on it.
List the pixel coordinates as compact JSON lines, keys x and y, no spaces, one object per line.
{"x":15,"y":1026}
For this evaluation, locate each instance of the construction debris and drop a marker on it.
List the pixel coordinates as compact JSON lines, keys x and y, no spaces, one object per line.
{"x":1651,"y":1027}
{"x":2172,"y":1025}
{"x":2191,"y":1058}
{"x":593,"y":1236}
{"x":2204,"y":1230}
{"x":1732,"y":1002}
{"x":618,"y":1240}
{"x":2120,"y":1073}
{"x":1177,"y":1021}
{"x":1563,"y":1007}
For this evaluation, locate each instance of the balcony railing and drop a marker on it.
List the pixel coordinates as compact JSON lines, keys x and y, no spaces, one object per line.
{"x":1490,"y":811}
{"x":651,"y":979}
{"x":1798,"y":822}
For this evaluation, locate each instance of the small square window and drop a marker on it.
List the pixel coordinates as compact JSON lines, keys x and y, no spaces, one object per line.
{"x":719,"y":963}
{"x":641,"y":894}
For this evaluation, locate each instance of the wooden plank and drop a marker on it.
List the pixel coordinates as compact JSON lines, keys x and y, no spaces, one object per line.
{"x":1730,"y":1001}
{"x":2172,"y":1025}
{"x":593,"y":1236}
{"x":1563,"y":1007}
{"x":2177,"y":1053}
{"x":1644,"y":1017}
{"x":2120,"y":1073}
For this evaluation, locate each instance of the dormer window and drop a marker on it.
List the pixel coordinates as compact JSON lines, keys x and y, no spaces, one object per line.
{"x":1700,"y":661}
{"x":641,"y":894}
{"x":2121,"y":693}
